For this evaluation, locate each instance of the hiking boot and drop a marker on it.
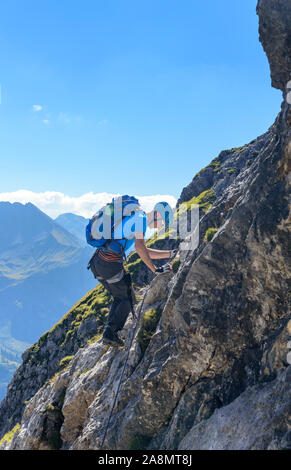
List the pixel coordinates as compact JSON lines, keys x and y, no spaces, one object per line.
{"x":111,"y":338}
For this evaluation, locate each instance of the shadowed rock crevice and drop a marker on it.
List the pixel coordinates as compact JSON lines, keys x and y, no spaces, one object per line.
{"x":53,"y":420}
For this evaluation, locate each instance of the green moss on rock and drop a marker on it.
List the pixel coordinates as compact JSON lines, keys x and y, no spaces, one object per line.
{"x":238,"y":149}
{"x":210,"y":232}
{"x":204,"y":201}
{"x":65,"y":333}
{"x":51,"y":408}
{"x":148,"y":327}
{"x":9,"y":435}
{"x":215,"y":164}
{"x":175,"y":264}
{"x":65,"y":361}
{"x":133,"y":268}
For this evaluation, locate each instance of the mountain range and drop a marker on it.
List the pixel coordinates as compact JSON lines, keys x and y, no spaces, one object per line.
{"x":75,"y":224}
{"x":42,"y":273}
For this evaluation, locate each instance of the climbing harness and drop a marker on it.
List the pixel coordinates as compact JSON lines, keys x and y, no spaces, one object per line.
{"x":125,"y":364}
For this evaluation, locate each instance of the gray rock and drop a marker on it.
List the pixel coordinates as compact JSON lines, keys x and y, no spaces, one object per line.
{"x":259,"y":419}
{"x":275,"y":26}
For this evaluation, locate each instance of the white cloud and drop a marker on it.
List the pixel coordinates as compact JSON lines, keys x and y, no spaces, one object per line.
{"x":46,"y":121}
{"x":55,"y":203}
{"x":149,"y":202}
{"x":37,"y":107}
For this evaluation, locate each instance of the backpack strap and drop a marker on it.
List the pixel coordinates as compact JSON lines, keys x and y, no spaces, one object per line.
{"x":123,"y":248}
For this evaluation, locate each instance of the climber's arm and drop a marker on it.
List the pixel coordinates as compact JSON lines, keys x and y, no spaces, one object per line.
{"x":143,"y":251}
{"x":147,"y":254}
{"x":158,"y":254}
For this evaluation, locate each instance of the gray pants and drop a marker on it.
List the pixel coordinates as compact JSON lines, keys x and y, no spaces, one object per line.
{"x":118,"y":283}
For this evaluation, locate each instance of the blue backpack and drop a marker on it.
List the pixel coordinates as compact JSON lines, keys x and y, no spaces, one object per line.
{"x":107,"y":212}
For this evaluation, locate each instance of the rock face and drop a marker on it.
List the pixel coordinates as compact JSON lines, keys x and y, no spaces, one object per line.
{"x":212,"y":345}
{"x":259,"y":418}
{"x":275,"y":35}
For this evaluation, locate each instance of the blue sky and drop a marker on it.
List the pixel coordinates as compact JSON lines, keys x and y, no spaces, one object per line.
{"x":133,"y":96}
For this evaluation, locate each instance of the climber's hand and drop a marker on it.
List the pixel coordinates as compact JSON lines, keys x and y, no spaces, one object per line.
{"x":164,"y":269}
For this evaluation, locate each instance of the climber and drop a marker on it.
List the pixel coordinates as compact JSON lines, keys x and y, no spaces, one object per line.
{"x":107,"y":261}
